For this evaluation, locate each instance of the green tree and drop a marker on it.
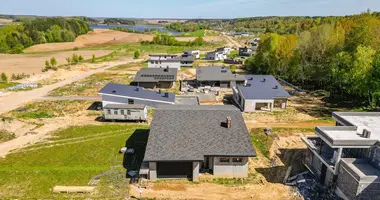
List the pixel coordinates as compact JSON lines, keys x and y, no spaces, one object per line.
{"x":93,"y":58}
{"x":68,"y":60}
{"x":47,"y":64}
{"x":137,"y":54}
{"x":53,"y":62}
{"x":80,"y":58}
{"x":75,"y":59}
{"x":4,"y":77}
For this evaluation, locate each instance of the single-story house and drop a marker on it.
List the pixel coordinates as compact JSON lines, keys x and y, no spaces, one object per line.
{"x":225,"y":50}
{"x":262,"y":92}
{"x":218,"y":77}
{"x":125,"y":112}
{"x":215,"y":55}
{"x":164,"y":61}
{"x":185,"y":141}
{"x":126,"y":94}
{"x":245,"y":51}
{"x":187,"y":61}
{"x":195,"y":53}
{"x":155,"y":77}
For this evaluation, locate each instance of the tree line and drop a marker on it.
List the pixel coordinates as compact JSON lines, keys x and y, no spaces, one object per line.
{"x":119,"y":21}
{"x":186,"y":26}
{"x":15,"y":38}
{"x":167,"y":40}
{"x":342,"y":57}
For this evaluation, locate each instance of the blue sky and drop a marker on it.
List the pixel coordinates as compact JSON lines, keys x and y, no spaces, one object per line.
{"x":186,"y":9}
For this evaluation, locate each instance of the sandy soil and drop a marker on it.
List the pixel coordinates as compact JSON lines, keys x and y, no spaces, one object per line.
{"x":206,"y":38}
{"x":34,"y":63}
{"x":96,"y":38}
{"x":5,"y":21}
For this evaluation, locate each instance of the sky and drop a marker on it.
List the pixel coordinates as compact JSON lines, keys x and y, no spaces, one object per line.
{"x":186,"y":9}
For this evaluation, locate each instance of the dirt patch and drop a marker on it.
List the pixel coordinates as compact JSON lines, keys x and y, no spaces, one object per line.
{"x":206,"y":38}
{"x":34,"y":63}
{"x":5,"y":21}
{"x":97,"y":38}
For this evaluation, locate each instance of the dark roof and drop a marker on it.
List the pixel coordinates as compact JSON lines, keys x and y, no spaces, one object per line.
{"x":125,"y":106}
{"x":257,"y":88}
{"x":217,"y":74}
{"x":188,"y":133}
{"x":156,"y":75}
{"x":187,"y":58}
{"x":135,"y":92}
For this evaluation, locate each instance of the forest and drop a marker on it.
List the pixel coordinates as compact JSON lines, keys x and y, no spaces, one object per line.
{"x":186,"y":26}
{"x":341,"y":56}
{"x":119,"y":21}
{"x":15,"y":38}
{"x":163,"y":39}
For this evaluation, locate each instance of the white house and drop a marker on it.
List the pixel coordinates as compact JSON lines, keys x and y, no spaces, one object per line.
{"x":195,"y":53}
{"x":216,"y":55}
{"x":164,"y":61}
{"x":225,"y":50}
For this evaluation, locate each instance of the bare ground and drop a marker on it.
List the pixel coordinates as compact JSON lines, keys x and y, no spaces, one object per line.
{"x":34,"y":63}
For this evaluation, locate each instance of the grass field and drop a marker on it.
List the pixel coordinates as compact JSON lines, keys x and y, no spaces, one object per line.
{"x":71,"y":158}
{"x":4,"y":85}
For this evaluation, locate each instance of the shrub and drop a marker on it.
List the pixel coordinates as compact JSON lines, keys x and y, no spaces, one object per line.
{"x":4,"y":77}
{"x":137,"y":54}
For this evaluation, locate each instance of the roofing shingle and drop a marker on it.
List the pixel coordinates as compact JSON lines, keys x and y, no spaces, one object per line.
{"x":135,"y":92}
{"x":188,"y":133}
{"x":262,"y":87}
{"x":156,"y":75}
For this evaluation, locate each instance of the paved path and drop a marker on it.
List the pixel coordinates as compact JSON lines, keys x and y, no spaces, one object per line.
{"x":70,"y":98}
{"x":17,"y":99}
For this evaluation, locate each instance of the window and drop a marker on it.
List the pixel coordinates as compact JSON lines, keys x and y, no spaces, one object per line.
{"x":115,"y":112}
{"x":152,"y":62}
{"x":224,"y":160}
{"x":128,"y":112}
{"x":131,"y":101}
{"x":109,"y":112}
{"x":122,"y":112}
{"x":237,"y":160}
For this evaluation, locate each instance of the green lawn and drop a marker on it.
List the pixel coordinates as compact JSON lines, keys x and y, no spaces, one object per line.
{"x":4,"y":85}
{"x":72,"y":158}
{"x":198,"y":33}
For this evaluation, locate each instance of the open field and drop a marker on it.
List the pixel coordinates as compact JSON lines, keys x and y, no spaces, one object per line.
{"x":5,"y":21}
{"x":34,"y":63}
{"x":105,"y":37}
{"x":72,"y":158}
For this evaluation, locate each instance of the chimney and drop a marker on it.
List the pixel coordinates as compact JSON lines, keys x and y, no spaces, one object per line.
{"x":137,"y":89}
{"x":166,"y":69}
{"x":366,"y":133}
{"x":159,"y":91}
{"x":228,"y":122}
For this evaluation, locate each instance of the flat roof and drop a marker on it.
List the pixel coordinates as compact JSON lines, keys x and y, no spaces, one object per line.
{"x":125,"y":106}
{"x":217,"y":73}
{"x":156,"y":75}
{"x":351,"y":134}
{"x":190,"y":132}
{"x":262,"y":87}
{"x":135,"y":92}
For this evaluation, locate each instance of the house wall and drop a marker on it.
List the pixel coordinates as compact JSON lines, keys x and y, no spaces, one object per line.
{"x":195,"y":171}
{"x":250,"y":105}
{"x":163,"y":64}
{"x":230,"y":169}
{"x":135,"y":114}
{"x":152,"y":171}
{"x":106,"y":99}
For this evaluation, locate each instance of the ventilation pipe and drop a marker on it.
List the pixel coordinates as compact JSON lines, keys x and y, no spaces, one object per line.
{"x":228,"y":122}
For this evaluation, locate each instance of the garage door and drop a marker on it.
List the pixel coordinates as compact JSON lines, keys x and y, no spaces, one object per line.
{"x":174,"y":169}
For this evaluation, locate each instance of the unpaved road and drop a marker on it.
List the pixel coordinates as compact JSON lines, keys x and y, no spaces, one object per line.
{"x":232,"y":42}
{"x":71,"y":98}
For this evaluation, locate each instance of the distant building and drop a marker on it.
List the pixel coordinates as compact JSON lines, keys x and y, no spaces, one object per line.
{"x":164,"y":61}
{"x":346,"y":158}
{"x":185,"y":141}
{"x":125,"y":94}
{"x":218,"y":77}
{"x":262,"y":92}
{"x":187,"y":61}
{"x":195,"y":53}
{"x":215,"y":55}
{"x":245,"y":52}
{"x":125,"y":112}
{"x":225,"y":50}
{"x":255,"y":46}
{"x":155,"y":77}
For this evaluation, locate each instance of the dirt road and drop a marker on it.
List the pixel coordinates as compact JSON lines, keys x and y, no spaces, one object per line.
{"x":232,"y":42}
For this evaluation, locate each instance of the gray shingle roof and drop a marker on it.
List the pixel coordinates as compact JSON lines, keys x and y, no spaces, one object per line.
{"x":135,"y":92}
{"x":217,"y":74}
{"x":188,"y":133}
{"x":257,"y":88}
{"x":125,"y":106}
{"x":156,"y":75}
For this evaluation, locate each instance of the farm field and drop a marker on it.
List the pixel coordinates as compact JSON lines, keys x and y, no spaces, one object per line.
{"x":34,"y":63}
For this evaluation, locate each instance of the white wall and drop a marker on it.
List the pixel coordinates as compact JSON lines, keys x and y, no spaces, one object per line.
{"x":250,"y":105}
{"x":164,"y":64}
{"x":152,"y":171}
{"x":230,"y":169}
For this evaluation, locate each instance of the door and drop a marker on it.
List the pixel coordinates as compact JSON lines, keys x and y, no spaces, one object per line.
{"x":323,"y":174}
{"x":174,"y":169}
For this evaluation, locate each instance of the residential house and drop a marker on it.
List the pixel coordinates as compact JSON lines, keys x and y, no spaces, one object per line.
{"x":195,"y":53}
{"x":155,"y":77}
{"x":185,"y":141}
{"x":125,"y":94}
{"x":245,"y":52}
{"x":215,"y":55}
{"x":187,"y":61}
{"x":225,"y":50}
{"x":262,"y":92}
{"x":346,"y":158}
{"x":125,"y":112}
{"x":164,"y":61}
{"x":218,"y":77}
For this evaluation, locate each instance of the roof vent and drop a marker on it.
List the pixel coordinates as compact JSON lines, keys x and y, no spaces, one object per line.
{"x":166,"y":69}
{"x":264,"y":80}
{"x":137,"y":89}
{"x":228,"y":122}
{"x":166,"y":95}
{"x":159,"y":91}
{"x":366,"y":133}
{"x":250,"y":78}
{"x":113,"y":91}
{"x":224,"y":71}
{"x":275,"y":87}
